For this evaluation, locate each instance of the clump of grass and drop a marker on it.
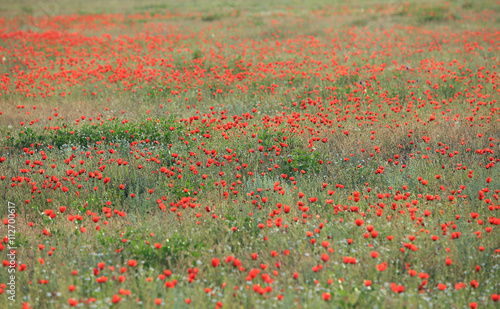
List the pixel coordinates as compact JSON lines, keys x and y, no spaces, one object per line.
{"x":210,"y":17}
{"x":433,"y":14}
{"x":425,"y":14}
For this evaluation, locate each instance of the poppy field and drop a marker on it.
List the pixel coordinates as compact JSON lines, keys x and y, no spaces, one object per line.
{"x":241,"y":155}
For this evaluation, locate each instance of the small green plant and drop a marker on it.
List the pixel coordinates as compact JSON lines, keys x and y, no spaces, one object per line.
{"x":432,"y":14}
{"x":468,"y":5}
{"x":209,"y":17}
{"x":174,"y":249}
{"x":196,"y":54}
{"x":303,"y":160}
{"x":27,"y":9}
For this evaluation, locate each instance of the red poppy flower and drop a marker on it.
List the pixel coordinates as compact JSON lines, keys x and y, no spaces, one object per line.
{"x":116,"y":299}
{"x":132,"y":263}
{"x":215,"y":262}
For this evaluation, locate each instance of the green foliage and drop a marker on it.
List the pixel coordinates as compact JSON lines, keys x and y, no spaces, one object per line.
{"x":27,"y":9}
{"x":152,"y":7}
{"x":20,"y":241}
{"x":303,"y":160}
{"x":176,"y":248}
{"x":196,"y":54}
{"x":433,"y":14}
{"x":25,"y":138}
{"x":426,"y":14}
{"x":114,"y":131}
{"x":209,"y":17}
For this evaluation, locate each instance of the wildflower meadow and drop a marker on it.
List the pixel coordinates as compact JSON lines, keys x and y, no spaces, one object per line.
{"x":246,"y":154}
